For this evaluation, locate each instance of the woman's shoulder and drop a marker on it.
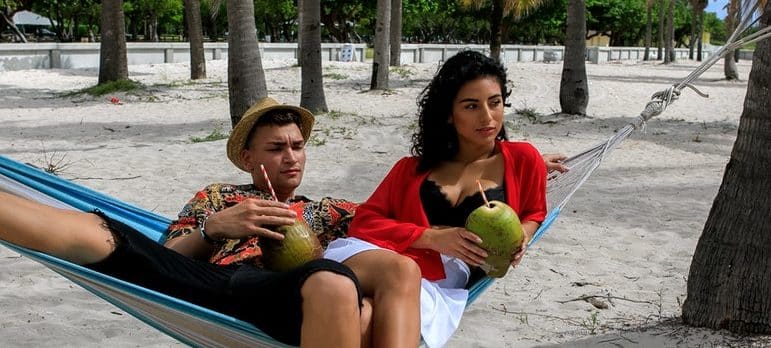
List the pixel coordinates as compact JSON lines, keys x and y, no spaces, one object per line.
{"x":520,"y":149}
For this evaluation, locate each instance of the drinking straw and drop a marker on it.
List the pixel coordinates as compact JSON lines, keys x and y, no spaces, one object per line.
{"x":267,"y":180}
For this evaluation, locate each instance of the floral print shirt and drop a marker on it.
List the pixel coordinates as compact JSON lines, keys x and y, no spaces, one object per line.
{"x":328,"y":218}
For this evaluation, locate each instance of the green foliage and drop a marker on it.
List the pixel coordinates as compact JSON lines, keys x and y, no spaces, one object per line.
{"x":111,"y":87}
{"x":622,"y":20}
{"x":276,"y":18}
{"x":715,"y":27}
{"x":216,"y":134}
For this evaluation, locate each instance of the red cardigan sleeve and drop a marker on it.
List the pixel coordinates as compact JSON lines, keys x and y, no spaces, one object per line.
{"x":526,"y":181}
{"x":393,"y":216}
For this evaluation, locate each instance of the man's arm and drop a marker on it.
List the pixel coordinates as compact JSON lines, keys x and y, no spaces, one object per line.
{"x":247,"y":218}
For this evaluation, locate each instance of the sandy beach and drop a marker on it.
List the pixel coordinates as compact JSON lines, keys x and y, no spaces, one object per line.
{"x":625,"y":240}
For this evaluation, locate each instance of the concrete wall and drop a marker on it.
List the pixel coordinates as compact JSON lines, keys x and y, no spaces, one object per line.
{"x":425,"y":53}
{"x":86,"y":55}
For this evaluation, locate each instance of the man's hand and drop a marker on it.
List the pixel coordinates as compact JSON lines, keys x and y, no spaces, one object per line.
{"x":248,"y":218}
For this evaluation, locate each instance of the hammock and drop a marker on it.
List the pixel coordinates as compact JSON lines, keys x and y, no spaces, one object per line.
{"x":198,"y":326}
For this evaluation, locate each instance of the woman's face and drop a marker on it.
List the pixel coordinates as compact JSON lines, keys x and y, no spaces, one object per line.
{"x":477,"y":112}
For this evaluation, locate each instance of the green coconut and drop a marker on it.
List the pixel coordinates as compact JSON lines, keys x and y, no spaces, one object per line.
{"x":299,"y":246}
{"x":501,"y":232}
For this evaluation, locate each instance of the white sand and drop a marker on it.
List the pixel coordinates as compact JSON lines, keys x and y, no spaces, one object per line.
{"x":629,"y":233}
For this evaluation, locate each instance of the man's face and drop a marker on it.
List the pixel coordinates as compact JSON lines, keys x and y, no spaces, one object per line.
{"x":281,"y":149}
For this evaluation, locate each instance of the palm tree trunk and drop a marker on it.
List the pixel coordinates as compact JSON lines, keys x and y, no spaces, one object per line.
{"x":701,"y":34}
{"x":382,"y":30}
{"x":246,"y":79}
{"x":574,"y":90}
{"x":396,"y":32}
{"x":195,"y":34}
{"x":495,"y":30}
{"x":694,"y":20}
{"x":113,"y":62}
{"x":669,"y":55}
{"x":300,"y":6}
{"x":732,"y":19}
{"x":662,"y":22}
{"x":312,"y":87}
{"x":729,"y":279}
{"x":648,"y":30}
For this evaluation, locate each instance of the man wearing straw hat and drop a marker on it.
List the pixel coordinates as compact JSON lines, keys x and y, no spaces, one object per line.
{"x":224,"y":223}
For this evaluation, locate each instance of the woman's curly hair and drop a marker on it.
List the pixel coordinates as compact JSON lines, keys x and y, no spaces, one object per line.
{"x":435,"y":139}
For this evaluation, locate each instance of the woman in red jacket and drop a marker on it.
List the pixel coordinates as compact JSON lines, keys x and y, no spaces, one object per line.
{"x":420,"y":208}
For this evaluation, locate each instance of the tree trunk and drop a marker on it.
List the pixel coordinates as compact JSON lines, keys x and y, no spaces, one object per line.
{"x":694,"y":20}
{"x":495,"y":30}
{"x":312,"y":87}
{"x":300,"y":6}
{"x":396,"y":32}
{"x":669,"y":35}
{"x":574,"y":91}
{"x":195,"y":33}
{"x":382,"y":30}
{"x":701,"y":35}
{"x":14,"y":28}
{"x":731,"y":22}
{"x":246,"y":79}
{"x":153,"y":27}
{"x":730,"y":276}
{"x":648,"y":30}
{"x":662,"y":22}
{"x":113,"y":62}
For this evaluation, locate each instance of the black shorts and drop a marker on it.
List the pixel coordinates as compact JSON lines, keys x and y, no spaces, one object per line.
{"x":271,"y":301}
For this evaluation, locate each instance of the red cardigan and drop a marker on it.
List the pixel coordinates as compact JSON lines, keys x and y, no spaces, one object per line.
{"x":393,"y":217}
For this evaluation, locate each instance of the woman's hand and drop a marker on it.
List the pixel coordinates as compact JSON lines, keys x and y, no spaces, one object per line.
{"x":453,"y":241}
{"x":528,"y":230}
{"x":553,"y":162}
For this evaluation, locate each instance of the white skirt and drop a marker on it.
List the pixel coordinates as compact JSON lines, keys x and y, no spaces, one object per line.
{"x":441,"y":302}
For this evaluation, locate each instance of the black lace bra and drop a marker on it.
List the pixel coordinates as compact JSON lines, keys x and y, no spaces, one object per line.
{"x":440,"y":211}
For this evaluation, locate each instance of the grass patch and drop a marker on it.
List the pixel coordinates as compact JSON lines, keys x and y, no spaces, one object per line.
{"x":111,"y":87}
{"x":335,"y":76}
{"x":402,"y":72}
{"x":528,"y":113}
{"x":216,"y":134}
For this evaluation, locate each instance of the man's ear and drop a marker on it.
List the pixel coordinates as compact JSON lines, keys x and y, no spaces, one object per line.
{"x":246,"y":157}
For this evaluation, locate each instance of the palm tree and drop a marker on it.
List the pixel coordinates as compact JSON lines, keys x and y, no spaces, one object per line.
{"x":729,"y":279}
{"x":669,"y":35}
{"x":396,"y":32}
{"x":382,"y":34}
{"x":312,"y":87}
{"x":113,"y":62}
{"x":731,"y":22}
{"x":246,"y":79}
{"x":500,"y":9}
{"x":662,"y":22}
{"x":702,"y":5}
{"x":195,"y":34}
{"x":648,"y":28}
{"x":574,"y":90}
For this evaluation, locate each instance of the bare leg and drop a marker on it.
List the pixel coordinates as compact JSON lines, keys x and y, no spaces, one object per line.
{"x":330,"y":312}
{"x":78,"y":237}
{"x":366,"y":323}
{"x":393,"y":282}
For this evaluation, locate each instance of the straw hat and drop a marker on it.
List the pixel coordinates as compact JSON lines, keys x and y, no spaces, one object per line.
{"x":238,"y":137}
